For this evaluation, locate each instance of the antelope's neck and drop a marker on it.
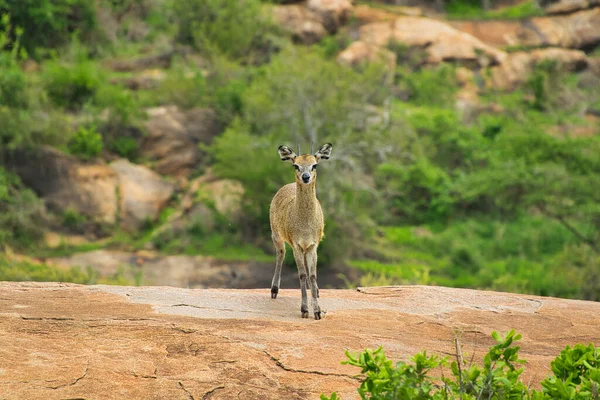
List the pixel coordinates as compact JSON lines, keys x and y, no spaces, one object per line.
{"x":306,"y":198}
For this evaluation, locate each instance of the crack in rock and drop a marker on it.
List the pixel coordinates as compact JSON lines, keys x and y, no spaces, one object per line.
{"x":185,"y":390}
{"x":280,"y":365}
{"x":87,"y":366}
{"x":207,"y":394}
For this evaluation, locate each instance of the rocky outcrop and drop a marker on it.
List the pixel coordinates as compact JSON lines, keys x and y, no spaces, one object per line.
{"x":304,"y":25}
{"x":360,"y":52}
{"x":174,"y":135}
{"x":310,"y":21}
{"x":65,"y":183}
{"x":142,"y":194}
{"x":440,"y":41}
{"x":518,"y":66}
{"x":568,"y":6}
{"x":576,"y":31}
{"x":333,"y":13}
{"x":64,"y":341}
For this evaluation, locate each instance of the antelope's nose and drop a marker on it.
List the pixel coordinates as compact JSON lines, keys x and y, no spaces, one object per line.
{"x":305,"y":177}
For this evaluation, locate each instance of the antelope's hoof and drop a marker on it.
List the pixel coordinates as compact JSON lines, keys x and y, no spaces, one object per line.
{"x":319,"y":314}
{"x":274,"y":291}
{"x":304,"y":312}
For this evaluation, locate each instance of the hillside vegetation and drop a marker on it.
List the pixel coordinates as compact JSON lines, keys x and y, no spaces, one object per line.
{"x":443,"y":172}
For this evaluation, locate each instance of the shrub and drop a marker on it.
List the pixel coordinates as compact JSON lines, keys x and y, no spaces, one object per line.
{"x":47,"y":23}
{"x":234,"y":28}
{"x":72,"y":85}
{"x":21,"y":212}
{"x":86,"y":143}
{"x":576,"y":375}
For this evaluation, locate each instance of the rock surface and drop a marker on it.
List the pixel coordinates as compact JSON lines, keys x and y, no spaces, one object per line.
{"x":440,"y":41}
{"x":578,"y":30}
{"x":518,"y":66}
{"x":64,"y":341}
{"x":304,"y":25}
{"x":65,"y":183}
{"x":360,"y":52}
{"x":174,"y":135}
{"x":142,"y":194}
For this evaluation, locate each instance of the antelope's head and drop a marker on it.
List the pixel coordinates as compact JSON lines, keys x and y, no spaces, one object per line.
{"x":305,"y":165}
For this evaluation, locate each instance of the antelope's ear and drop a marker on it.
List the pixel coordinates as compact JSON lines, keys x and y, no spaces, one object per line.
{"x":286,"y":154}
{"x":324,"y":152}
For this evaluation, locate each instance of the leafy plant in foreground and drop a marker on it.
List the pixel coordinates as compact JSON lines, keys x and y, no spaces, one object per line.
{"x":576,"y":375}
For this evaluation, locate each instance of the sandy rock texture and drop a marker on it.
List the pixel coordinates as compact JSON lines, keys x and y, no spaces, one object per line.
{"x":63,"y":341}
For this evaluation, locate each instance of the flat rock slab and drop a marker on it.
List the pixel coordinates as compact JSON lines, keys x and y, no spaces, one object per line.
{"x":64,"y":341}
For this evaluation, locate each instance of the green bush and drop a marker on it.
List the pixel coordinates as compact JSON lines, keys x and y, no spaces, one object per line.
{"x":576,"y":375}
{"x":48,"y":23}
{"x":87,"y":143}
{"x":21,"y":212}
{"x":71,"y":85}
{"x":237,"y":29}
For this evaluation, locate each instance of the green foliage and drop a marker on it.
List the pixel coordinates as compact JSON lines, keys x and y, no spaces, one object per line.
{"x":47,"y":23}
{"x":72,"y":219}
{"x":21,"y":212}
{"x":234,"y":28}
{"x":434,"y":87}
{"x":531,"y":254}
{"x":12,"y":80}
{"x":87,"y":143}
{"x":576,"y":375}
{"x":72,"y":85}
{"x":17,"y":270}
{"x":474,"y":9}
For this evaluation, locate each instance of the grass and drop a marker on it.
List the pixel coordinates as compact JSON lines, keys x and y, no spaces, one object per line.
{"x":527,"y":255}
{"x":471,"y":10}
{"x":25,"y":271}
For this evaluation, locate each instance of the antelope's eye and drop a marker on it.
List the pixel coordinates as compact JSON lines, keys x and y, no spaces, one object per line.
{"x":297,"y":167}
{"x":315,"y":166}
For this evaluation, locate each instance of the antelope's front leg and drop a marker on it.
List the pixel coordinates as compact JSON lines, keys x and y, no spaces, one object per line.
{"x":299,"y":257}
{"x":311,"y":266}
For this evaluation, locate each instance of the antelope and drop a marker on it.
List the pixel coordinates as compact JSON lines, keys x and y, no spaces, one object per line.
{"x":297,"y":219}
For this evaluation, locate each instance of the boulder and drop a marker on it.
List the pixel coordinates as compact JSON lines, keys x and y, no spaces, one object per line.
{"x":518,"y":66}
{"x":66,"y":183}
{"x":204,"y":197}
{"x":569,"y":6}
{"x":364,"y":14}
{"x":174,"y":135}
{"x":496,"y":33}
{"x":440,"y":41}
{"x":142,"y":194}
{"x":360,"y":52}
{"x":578,"y":30}
{"x":333,"y":13}
{"x":304,"y":25}
{"x":65,"y":341}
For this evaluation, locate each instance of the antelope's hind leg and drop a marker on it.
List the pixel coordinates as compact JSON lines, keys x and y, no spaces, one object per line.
{"x":280,"y":249}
